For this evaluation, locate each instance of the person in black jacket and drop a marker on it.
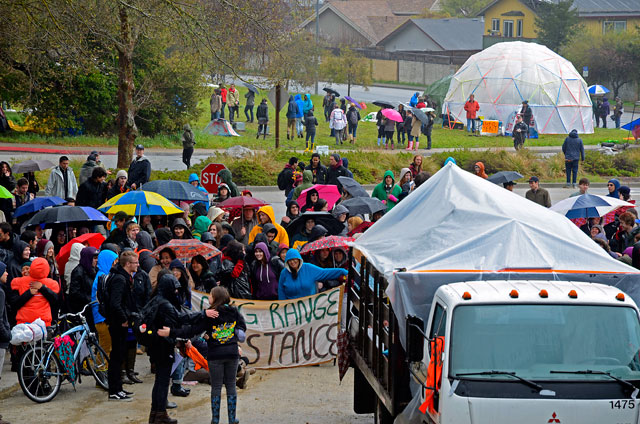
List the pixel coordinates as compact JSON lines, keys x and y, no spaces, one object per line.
{"x":171,"y":322}
{"x":121,"y":306}
{"x":93,"y":192}
{"x":310,"y":123}
{"x":5,"y":329}
{"x":336,"y":169}
{"x":223,"y":334}
{"x":318,"y":169}
{"x":234,"y":273}
{"x":262,"y":114}
{"x":82,"y":278}
{"x":140,"y":169}
{"x":203,"y":278}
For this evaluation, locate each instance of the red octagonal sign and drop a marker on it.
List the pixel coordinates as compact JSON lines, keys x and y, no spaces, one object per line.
{"x":209,"y":177}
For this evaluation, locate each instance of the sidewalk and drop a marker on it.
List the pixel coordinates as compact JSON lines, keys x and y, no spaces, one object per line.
{"x":9,"y":381}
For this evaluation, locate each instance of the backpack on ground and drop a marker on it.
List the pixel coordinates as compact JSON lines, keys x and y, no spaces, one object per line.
{"x":102,"y":295}
{"x":282,"y":180}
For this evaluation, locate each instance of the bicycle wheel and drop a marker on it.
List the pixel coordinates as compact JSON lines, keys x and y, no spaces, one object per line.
{"x":98,"y":363}
{"x":39,"y":377}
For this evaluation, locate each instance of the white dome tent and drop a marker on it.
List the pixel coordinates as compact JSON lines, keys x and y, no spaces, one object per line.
{"x":502,"y":76}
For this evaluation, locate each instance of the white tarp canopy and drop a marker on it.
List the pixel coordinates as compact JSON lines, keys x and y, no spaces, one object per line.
{"x":460,"y":227}
{"x":502,"y":76}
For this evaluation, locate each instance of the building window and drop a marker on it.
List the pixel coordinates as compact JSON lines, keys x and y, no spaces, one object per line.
{"x":508,"y":29}
{"x":519,"y":28}
{"x":614,"y":26}
{"x":495,"y":26}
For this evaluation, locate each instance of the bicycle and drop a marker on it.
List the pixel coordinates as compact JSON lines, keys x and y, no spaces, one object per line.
{"x":41,"y":372}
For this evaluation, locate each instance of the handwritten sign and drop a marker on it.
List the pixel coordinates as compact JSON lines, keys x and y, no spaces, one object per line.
{"x":288,"y":333}
{"x":490,"y":127}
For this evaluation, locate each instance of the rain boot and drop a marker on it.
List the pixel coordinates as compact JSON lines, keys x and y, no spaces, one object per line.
{"x":232,"y":402}
{"x":378,"y":141}
{"x":410,"y":145}
{"x":215,"y":409}
{"x":313,"y":146}
{"x":306,"y":147}
{"x":392,"y":145}
{"x":416,"y":146}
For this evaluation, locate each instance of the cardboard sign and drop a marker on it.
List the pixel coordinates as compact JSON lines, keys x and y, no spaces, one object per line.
{"x":490,"y":127}
{"x":288,"y":333}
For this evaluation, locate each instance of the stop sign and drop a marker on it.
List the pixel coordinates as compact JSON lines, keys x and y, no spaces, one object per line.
{"x":209,"y":177}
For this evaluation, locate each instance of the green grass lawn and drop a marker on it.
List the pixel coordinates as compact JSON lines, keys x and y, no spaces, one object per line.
{"x":367,"y":134}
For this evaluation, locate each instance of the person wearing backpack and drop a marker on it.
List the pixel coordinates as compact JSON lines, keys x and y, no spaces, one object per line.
{"x":337,"y":123}
{"x":426,"y":129}
{"x":165,"y":315}
{"x":353,"y":117}
{"x":285,"y":177}
{"x":106,"y":260}
{"x":120,"y":307}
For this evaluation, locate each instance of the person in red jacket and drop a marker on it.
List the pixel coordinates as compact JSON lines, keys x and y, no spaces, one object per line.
{"x":35,"y":293}
{"x":223,"y":94}
{"x":472,"y":107}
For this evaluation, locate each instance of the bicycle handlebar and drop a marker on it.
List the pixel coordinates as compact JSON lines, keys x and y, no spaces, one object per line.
{"x":81,"y":313}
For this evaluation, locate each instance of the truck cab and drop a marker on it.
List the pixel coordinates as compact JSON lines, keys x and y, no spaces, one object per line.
{"x":527,"y":352}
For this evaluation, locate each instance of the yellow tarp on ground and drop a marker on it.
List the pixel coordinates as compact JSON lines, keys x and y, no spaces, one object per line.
{"x":31,"y":124}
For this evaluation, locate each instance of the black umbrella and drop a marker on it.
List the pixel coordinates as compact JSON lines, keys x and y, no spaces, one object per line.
{"x":328,"y":221}
{"x":384,"y":103}
{"x":420,"y":115}
{"x":251,"y":87}
{"x":352,"y":187}
{"x":67,"y":215}
{"x":176,"y":190}
{"x":32,"y":166}
{"x":364,"y":205}
{"x":504,"y":177}
{"x":331,"y":91}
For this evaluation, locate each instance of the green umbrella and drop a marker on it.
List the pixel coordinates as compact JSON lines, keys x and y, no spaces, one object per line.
{"x":4,"y":193}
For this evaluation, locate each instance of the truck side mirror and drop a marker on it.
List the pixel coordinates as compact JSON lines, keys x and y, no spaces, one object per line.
{"x":415,"y":339}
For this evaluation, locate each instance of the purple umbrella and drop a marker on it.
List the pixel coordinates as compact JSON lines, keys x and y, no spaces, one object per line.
{"x":352,"y":100}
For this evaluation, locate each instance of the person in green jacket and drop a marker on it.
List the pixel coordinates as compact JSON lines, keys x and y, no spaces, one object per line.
{"x":387,"y":191}
{"x":225,"y":176}
{"x":307,"y":181}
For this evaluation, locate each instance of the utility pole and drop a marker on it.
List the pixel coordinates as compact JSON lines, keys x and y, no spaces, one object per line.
{"x":277,"y":115}
{"x":317,"y":37}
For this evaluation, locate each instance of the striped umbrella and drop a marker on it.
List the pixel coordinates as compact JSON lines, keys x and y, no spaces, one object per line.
{"x":137,"y":203}
{"x":597,"y":90}
{"x":185,"y":250}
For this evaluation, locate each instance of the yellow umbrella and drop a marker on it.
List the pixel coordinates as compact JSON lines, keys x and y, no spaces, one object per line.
{"x":137,"y":203}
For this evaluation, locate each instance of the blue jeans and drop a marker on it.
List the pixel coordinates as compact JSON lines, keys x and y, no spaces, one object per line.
{"x":215,"y":115}
{"x":312,"y":136}
{"x":617,"y":121}
{"x":471,"y":125}
{"x":571,"y":168}
{"x":353,"y":129}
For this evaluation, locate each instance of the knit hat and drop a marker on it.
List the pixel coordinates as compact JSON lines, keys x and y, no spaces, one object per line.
{"x":122,"y":173}
{"x":3,"y":268}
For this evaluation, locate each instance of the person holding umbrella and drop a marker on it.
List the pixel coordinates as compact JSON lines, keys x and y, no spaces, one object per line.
{"x":243,"y":225}
{"x":389,"y":130}
{"x":327,"y":104}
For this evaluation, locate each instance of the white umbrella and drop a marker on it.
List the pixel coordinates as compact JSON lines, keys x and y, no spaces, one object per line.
{"x":597,"y":90}
{"x":588,"y":206}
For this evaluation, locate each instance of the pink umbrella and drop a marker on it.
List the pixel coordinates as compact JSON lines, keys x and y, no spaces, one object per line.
{"x":328,"y":192}
{"x":392,"y":114}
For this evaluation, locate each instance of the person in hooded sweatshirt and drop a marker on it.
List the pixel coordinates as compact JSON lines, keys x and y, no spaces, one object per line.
{"x":341,"y":213}
{"x":106,"y":260}
{"x":307,"y":182}
{"x":573,"y":150}
{"x":266,"y":215}
{"x":171,"y":323}
{"x":145,"y":250}
{"x":613,"y":185}
{"x":35,"y":296}
{"x":194,"y":180}
{"x":82,"y":278}
{"x":227,"y":178}
{"x":181,"y":230}
{"x":293,"y":211}
{"x":140,"y":169}
{"x":387,"y":191}
{"x":234,"y":272}
{"x":264,"y":281}
{"x":478,"y":169}
{"x":200,"y":226}
{"x":21,"y":254}
{"x":300,"y":279}
{"x":299,"y":115}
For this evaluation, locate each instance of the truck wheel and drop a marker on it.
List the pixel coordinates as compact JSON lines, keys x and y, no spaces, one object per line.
{"x":381,"y":415}
{"x":364,"y":398}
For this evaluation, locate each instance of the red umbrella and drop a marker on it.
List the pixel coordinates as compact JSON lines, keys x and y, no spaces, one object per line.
{"x":92,"y":239}
{"x":326,"y":243}
{"x":328,"y":192}
{"x":392,"y":114}
{"x":187,"y":249}
{"x":239,"y":202}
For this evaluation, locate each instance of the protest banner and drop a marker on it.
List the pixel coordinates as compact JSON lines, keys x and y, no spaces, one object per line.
{"x":288,"y":333}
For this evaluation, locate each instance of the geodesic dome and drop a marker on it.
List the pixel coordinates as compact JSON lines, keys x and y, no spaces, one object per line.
{"x":502,"y":76}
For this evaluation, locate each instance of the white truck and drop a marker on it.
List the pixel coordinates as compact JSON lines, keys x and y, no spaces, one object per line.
{"x":524,"y":320}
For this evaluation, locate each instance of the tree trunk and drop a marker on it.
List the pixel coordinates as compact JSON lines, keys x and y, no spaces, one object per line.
{"x":127,"y":129}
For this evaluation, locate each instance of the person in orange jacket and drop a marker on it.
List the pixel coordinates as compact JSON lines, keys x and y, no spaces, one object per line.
{"x":472,"y":107}
{"x":36,"y":293}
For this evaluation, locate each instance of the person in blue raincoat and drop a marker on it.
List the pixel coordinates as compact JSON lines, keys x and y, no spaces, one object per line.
{"x":193,"y":178}
{"x":308,"y":104}
{"x":414,"y":99}
{"x":300,"y":279}
{"x":106,"y":258}
{"x":299,"y":115}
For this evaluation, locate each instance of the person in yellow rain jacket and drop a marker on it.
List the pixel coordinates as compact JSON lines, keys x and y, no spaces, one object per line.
{"x":266,"y":216}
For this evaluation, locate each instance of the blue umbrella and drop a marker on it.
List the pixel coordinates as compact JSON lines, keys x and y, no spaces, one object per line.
{"x":631,"y":125}
{"x":176,"y":190}
{"x":37,"y":204}
{"x":67,"y":215}
{"x":597,"y":90}
{"x":588,"y":206}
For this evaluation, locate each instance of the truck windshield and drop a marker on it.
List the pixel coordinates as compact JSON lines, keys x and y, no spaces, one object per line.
{"x":532,"y":340}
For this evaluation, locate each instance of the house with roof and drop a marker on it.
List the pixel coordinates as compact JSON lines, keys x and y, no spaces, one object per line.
{"x":362,"y":23}
{"x":511,"y":20}
{"x":435,"y":35}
